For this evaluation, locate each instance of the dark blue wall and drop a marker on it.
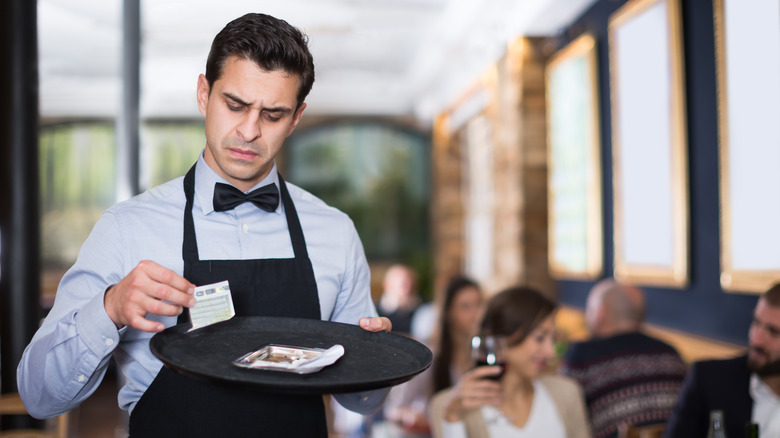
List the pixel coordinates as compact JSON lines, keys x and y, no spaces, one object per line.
{"x":703,"y":307}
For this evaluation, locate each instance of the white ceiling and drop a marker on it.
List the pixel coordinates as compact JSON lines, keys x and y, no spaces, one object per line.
{"x":372,"y":57}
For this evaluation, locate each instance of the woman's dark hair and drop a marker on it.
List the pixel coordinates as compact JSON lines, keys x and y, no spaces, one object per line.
{"x":271,"y":43}
{"x":443,"y":358}
{"x":516,"y":312}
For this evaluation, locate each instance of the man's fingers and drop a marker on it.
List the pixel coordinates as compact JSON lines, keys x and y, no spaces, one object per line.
{"x":140,"y":323}
{"x":172,"y":295}
{"x":375,"y":324}
{"x":162,"y":308}
{"x":163,"y":275}
{"x":148,"y":289}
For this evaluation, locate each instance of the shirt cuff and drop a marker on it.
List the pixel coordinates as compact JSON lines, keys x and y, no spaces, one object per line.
{"x":363,"y":402}
{"x":95,"y":327}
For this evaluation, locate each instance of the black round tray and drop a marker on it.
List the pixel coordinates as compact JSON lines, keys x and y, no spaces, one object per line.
{"x":371,"y":360}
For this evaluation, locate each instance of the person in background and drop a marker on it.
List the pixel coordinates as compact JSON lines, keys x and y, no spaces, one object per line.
{"x":284,"y":253}
{"x":460,"y":317}
{"x":628,"y":377}
{"x":524,"y":402}
{"x":746,"y":388}
{"x":406,"y":408}
{"x":400,"y":299}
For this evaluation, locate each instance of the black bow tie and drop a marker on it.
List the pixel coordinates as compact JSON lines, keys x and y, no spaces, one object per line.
{"x":227,"y":197}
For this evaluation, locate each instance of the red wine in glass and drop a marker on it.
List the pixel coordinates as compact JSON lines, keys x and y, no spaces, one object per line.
{"x":495,"y":377}
{"x":488,"y":350}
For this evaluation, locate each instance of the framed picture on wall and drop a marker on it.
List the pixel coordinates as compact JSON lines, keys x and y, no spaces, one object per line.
{"x":749,"y":137}
{"x":574,"y":162}
{"x":649,"y":144}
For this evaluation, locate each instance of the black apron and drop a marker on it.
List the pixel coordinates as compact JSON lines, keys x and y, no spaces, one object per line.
{"x":177,"y":406}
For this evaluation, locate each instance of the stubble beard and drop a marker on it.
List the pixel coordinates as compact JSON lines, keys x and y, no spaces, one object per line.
{"x":771,"y":368}
{"x":236,"y":168}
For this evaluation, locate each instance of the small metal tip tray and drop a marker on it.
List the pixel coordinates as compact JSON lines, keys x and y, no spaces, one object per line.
{"x":279,"y":358}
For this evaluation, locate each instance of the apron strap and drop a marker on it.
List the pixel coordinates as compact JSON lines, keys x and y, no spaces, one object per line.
{"x":189,"y":247}
{"x":293,"y":224}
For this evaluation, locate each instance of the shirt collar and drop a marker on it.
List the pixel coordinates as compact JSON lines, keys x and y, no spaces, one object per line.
{"x":760,"y":390}
{"x":206,"y":178}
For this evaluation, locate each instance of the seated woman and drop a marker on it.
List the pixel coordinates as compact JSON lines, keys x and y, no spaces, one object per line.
{"x":524,"y":402}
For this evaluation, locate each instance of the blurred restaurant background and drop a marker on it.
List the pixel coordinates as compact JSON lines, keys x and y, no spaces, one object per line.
{"x":543,"y":142}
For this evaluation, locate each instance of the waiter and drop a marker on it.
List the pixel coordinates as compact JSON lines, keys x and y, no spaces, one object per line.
{"x":283,"y":251}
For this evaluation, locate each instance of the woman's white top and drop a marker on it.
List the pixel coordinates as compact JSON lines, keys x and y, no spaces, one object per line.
{"x":543,"y":420}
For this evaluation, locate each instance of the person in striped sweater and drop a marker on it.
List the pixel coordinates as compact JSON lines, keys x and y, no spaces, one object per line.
{"x":628,"y":377}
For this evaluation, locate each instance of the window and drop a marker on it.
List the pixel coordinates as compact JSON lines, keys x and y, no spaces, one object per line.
{"x":377,"y":174}
{"x":168,"y":150}
{"x":77,"y":168}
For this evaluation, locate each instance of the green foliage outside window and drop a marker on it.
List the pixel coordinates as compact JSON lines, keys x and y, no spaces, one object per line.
{"x":169,"y":150}
{"x":77,"y":171}
{"x":379,"y":176}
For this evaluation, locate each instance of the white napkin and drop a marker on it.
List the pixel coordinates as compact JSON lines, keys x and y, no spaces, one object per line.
{"x":328,"y":357}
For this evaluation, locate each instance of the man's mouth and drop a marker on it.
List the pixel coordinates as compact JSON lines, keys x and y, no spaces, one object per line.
{"x":756,"y":353}
{"x":244,"y":154}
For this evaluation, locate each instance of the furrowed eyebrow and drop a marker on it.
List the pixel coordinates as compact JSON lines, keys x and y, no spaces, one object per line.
{"x":235,"y":99}
{"x":283,"y":110}
{"x":280,"y":109}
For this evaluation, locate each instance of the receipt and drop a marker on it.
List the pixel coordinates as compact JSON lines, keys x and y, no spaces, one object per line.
{"x":213,"y":304}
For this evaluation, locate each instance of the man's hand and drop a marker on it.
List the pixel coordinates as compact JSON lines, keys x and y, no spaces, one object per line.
{"x":149,"y":288}
{"x":375,"y":324}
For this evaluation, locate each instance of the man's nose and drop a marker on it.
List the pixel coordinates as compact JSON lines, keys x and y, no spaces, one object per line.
{"x":249,"y":128}
{"x":757,"y":336}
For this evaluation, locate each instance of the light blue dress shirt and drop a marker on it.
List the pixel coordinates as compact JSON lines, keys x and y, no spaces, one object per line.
{"x":68,"y":356}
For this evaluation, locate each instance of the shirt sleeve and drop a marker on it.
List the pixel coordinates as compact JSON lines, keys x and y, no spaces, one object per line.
{"x":354,"y":302}
{"x":69,"y":354}
{"x":354,"y":298}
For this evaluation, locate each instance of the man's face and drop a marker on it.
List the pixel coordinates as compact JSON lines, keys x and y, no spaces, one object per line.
{"x":249,"y":113}
{"x":764,"y":340}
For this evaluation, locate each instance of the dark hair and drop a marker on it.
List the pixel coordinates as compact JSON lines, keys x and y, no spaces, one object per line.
{"x":772,"y":296}
{"x":516,"y":312}
{"x":271,"y":43}
{"x":443,"y":358}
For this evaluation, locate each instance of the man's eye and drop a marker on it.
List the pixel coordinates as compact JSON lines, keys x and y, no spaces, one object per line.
{"x":272,"y":118}
{"x":235,"y":107}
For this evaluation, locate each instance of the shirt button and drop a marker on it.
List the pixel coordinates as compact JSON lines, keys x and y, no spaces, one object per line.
{"x":245,"y":227}
{"x":109,"y":342}
{"x":81,"y":378}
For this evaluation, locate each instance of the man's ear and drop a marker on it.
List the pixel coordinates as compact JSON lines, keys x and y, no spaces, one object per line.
{"x":202,"y":94}
{"x":296,"y":118}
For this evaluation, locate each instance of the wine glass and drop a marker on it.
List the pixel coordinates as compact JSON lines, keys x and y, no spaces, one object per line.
{"x":489,"y":350}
